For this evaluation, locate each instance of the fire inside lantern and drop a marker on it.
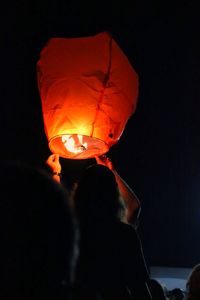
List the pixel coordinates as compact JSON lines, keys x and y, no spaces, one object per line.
{"x":88,"y":92}
{"x":74,"y":143}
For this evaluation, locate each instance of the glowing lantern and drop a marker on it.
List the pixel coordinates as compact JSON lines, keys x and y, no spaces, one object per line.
{"x":88,"y":91}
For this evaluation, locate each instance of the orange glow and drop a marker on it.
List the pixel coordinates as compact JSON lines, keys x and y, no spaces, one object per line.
{"x":74,"y":143}
{"x":88,"y":92}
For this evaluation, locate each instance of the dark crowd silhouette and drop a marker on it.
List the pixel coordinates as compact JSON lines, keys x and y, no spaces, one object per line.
{"x":75,"y":244}
{"x":39,"y":235}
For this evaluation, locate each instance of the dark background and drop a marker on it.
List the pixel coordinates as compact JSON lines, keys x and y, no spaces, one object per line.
{"x":159,"y":152}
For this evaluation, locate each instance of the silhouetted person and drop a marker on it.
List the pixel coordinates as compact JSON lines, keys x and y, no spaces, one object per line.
{"x":111,"y":258}
{"x":157,"y":290}
{"x":131,"y":201}
{"x":193,"y":284}
{"x":38,"y":235}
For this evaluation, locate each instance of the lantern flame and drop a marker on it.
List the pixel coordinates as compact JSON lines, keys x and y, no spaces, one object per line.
{"x":74,"y":143}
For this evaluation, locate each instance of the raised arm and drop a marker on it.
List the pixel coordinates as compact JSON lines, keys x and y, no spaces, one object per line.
{"x":130,"y":199}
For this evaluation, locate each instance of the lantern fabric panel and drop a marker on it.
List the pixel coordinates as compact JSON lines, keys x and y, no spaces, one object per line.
{"x":88,"y":92}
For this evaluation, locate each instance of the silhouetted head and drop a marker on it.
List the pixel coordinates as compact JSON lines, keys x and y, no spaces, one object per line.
{"x":176,"y":294}
{"x":193,"y":283}
{"x":97,"y":196}
{"x":38,"y":234}
{"x":157,"y":290}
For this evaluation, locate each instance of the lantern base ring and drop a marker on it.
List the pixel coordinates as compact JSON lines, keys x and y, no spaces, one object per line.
{"x":77,"y":146}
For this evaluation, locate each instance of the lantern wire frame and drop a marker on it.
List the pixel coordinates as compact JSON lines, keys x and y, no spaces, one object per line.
{"x":77,"y":146}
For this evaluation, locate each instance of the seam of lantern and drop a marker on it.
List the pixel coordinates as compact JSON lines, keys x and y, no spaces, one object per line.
{"x":105,"y":82}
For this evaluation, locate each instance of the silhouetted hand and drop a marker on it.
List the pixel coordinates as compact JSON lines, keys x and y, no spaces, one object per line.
{"x":105,"y":161}
{"x":54,"y":163}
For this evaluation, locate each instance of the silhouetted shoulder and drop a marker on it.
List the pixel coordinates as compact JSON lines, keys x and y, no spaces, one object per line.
{"x":127,"y":233}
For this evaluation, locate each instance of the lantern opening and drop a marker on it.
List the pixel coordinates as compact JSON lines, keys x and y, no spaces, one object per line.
{"x":77,"y":146}
{"x":74,"y":143}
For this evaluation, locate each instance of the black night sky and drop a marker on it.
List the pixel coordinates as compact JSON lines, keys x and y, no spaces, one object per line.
{"x":159,"y":152}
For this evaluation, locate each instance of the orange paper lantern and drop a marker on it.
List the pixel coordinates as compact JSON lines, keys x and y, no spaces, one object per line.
{"x":88,"y":91}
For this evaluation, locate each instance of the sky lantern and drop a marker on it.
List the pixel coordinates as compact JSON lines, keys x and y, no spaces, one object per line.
{"x":88,"y":91}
